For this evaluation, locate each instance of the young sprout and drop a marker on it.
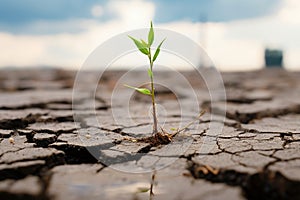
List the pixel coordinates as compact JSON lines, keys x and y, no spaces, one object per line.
{"x":145,"y":48}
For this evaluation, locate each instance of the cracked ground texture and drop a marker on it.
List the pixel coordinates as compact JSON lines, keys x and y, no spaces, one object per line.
{"x":45,"y":155}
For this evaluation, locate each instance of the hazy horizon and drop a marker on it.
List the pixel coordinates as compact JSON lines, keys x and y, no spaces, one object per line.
{"x":233,"y":33}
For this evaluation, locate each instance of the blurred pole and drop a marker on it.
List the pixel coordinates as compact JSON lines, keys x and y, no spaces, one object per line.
{"x":203,"y":39}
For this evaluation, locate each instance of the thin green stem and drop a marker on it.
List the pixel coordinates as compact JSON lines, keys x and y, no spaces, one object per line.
{"x":153,"y":95}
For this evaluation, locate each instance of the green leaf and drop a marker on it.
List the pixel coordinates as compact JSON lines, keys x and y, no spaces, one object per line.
{"x":143,"y":48}
{"x":141,"y":90}
{"x":151,"y":35}
{"x":150,"y":73}
{"x":143,"y":190}
{"x":144,"y":43}
{"x":158,"y":50}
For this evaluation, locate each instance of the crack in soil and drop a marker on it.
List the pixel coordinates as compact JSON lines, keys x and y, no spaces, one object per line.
{"x":262,"y":185}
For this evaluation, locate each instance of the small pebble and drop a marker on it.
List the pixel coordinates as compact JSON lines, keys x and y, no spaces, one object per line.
{"x":11,"y":140}
{"x":88,"y":136}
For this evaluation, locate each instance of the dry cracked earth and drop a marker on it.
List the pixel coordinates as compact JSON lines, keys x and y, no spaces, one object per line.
{"x":45,"y":155}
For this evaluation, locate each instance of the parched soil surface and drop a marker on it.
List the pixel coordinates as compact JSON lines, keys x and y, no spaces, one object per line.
{"x":249,"y":149}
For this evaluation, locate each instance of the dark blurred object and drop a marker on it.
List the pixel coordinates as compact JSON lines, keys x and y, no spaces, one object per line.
{"x":273,"y":57}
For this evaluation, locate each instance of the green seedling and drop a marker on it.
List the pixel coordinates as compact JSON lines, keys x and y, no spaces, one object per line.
{"x":145,"y":48}
{"x":157,"y":138}
{"x":162,"y":137}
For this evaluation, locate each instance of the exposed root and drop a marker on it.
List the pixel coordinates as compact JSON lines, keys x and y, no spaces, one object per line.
{"x":163,"y":137}
{"x":160,"y":138}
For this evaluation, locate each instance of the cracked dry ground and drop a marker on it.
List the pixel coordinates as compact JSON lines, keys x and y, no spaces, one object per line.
{"x":43,"y":153}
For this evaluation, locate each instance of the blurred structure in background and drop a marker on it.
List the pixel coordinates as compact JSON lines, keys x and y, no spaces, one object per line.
{"x":273,"y":58}
{"x":203,"y":39}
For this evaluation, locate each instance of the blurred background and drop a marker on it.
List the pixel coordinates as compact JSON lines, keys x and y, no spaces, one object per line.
{"x":237,"y":34}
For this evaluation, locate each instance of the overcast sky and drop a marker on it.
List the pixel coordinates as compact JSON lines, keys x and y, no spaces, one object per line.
{"x":63,"y":33}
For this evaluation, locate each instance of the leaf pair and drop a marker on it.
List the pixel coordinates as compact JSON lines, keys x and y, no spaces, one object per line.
{"x":141,"y":45}
{"x":145,"y":47}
